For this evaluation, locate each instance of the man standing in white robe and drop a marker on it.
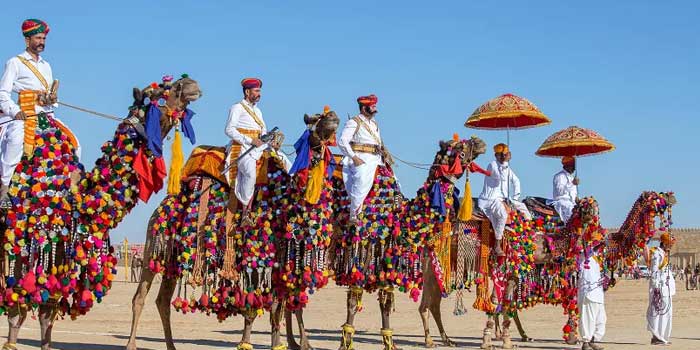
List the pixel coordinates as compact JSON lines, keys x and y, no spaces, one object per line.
{"x":361,"y":144}
{"x":591,"y":301}
{"x":565,"y":189}
{"x":662,"y":287}
{"x":496,"y":194}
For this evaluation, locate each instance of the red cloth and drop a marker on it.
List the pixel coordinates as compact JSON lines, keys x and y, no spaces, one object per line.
{"x":454,"y":169}
{"x":150,"y":176}
{"x":475,"y":168}
{"x":251,"y":83}
{"x":368,"y":101}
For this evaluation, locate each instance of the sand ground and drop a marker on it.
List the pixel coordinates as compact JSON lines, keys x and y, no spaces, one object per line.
{"x":107,"y":325}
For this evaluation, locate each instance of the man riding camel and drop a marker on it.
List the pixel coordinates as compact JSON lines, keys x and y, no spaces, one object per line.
{"x":495,"y":195}
{"x":363,"y":148}
{"x":565,"y":189}
{"x":245,"y":127}
{"x":29,"y":76}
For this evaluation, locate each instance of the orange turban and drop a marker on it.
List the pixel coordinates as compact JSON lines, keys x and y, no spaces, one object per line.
{"x":368,"y":101}
{"x":501,"y":148}
{"x":568,"y":160}
{"x":667,"y":239}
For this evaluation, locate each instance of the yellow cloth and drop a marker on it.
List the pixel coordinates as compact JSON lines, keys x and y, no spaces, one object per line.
{"x":175,"y":165}
{"x":465,"y":211}
{"x":315,"y":183}
{"x":206,"y":160}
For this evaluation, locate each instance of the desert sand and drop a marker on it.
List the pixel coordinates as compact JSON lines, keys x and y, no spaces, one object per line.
{"x":107,"y":325}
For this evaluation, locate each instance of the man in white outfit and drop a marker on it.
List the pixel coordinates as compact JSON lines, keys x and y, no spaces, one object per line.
{"x":591,"y":300}
{"x":662,"y":287}
{"x":495,"y":194}
{"x":28,"y":75}
{"x":361,"y":143}
{"x":245,"y":126}
{"x":565,"y":189}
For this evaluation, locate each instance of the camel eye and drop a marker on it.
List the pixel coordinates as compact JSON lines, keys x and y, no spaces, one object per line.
{"x":462,"y":155}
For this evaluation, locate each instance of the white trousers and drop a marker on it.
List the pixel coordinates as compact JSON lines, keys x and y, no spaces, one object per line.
{"x":12,"y":147}
{"x":498,"y":215}
{"x":660,"y":323}
{"x":564,"y":208}
{"x":358,"y":181}
{"x":593,"y":318}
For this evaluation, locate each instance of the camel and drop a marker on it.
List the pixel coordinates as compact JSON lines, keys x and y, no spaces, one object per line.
{"x":382,"y":252}
{"x":188,"y":243}
{"x":552,"y":255}
{"x":58,"y":255}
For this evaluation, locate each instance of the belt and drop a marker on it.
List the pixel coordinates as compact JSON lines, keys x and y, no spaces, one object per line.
{"x":366,"y":148}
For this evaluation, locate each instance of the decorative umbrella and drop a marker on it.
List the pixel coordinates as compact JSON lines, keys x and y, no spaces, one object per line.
{"x":507,"y":112}
{"x":574,"y":142}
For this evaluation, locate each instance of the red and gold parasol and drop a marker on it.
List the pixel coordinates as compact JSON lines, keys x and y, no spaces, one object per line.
{"x":507,"y":112}
{"x":574,"y":142}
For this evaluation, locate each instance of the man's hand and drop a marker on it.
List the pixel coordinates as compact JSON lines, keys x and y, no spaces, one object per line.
{"x":20,"y":116}
{"x":576,"y":181}
{"x":256,"y":142}
{"x":357,"y":161}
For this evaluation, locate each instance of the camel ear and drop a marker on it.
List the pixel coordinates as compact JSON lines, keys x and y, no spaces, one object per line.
{"x":443,"y":145}
{"x":138,"y":96}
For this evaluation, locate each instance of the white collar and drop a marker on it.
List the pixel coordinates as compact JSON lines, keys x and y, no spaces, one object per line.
{"x":244,"y":101}
{"x":29,"y":57}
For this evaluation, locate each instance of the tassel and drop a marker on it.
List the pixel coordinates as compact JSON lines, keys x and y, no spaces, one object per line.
{"x":465,"y":210}
{"x":176,"y":165}
{"x":315,"y":183}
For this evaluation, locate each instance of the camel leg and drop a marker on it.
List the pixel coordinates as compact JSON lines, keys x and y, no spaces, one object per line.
{"x":488,"y":331}
{"x":15,"y":318}
{"x":47,"y":315}
{"x":571,"y":338}
{"x":354,"y":303}
{"x":497,"y":334}
{"x":137,"y":303}
{"x":437,"y":315}
{"x":249,"y":317}
{"x":423,"y":310}
{"x":291,"y":342}
{"x":521,"y":330}
{"x":165,"y":294}
{"x":386,"y":305}
{"x":505,"y":333}
{"x":276,"y":311}
{"x":302,"y":330}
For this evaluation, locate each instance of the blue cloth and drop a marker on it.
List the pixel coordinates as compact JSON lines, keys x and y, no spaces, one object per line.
{"x":302,"y":148}
{"x":153,"y":132}
{"x":455,"y":196}
{"x":437,"y":201}
{"x":186,"y":125}
{"x":331,"y":167}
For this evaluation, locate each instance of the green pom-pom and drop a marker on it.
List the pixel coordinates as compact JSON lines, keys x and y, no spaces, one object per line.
{"x":185,"y":76}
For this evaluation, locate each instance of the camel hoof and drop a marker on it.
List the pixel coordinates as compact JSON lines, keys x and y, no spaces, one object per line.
{"x":429,"y":344}
{"x":572,"y":341}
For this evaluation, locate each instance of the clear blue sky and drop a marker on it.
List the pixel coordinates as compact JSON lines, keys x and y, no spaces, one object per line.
{"x":628,"y":69}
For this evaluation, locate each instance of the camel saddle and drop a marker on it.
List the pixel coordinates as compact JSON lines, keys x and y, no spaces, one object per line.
{"x":538,"y":207}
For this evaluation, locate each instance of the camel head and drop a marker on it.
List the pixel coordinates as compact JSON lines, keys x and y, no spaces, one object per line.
{"x":455,"y":155}
{"x":586,"y":211}
{"x":659,"y":205}
{"x":171,"y":97}
{"x":323,"y":127}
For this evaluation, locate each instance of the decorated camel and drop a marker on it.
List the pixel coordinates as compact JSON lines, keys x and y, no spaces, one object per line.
{"x":57,"y":254}
{"x":549,"y":273}
{"x":383,"y":250}
{"x":196,"y":239}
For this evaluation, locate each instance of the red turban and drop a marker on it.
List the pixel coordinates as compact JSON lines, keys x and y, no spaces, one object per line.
{"x":34,"y":26}
{"x":568,"y":160}
{"x":251,"y":83}
{"x":368,"y":101}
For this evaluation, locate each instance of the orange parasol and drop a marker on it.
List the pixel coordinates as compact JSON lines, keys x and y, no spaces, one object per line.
{"x":507,"y":112}
{"x":574,"y":142}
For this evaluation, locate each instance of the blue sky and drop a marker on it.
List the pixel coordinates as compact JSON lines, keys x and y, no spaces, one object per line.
{"x":627,"y":69}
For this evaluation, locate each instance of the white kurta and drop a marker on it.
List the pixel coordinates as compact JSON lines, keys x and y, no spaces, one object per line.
{"x":238,"y":118}
{"x":591,"y":299}
{"x":18,"y":77}
{"x":564,"y":194}
{"x":359,"y":179}
{"x":660,"y":322}
{"x":496,"y":190}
